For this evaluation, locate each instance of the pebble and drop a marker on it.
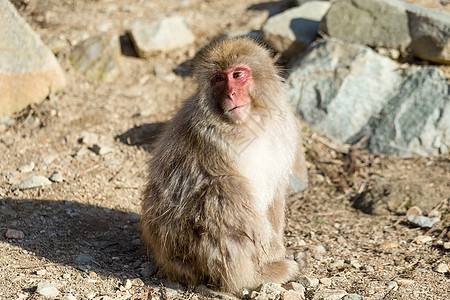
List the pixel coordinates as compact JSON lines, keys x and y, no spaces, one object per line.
{"x":341,"y":240}
{"x":414,"y":211}
{"x":404,"y":282}
{"x":270,"y":287}
{"x":389,"y":245}
{"x":330,"y":294}
{"x":56,"y":177}
{"x":66,"y":276}
{"x":88,"y":138}
{"x":325,"y":281}
{"x":101,"y":149}
{"x":293,"y":286}
{"x":368,"y":268}
{"x":14,"y":234}
{"x":423,"y":221}
{"x":422,"y":239}
{"x":434,"y":214}
{"x":441,"y":268}
{"x":127,"y":284}
{"x":47,"y":290}
{"x":293,"y":295}
{"x":338,"y":264}
{"x":308,"y":282}
{"x":352,"y":297}
{"x":392,"y":285}
{"x":447,"y":245}
{"x":355,"y":264}
{"x":147,"y":270}
{"x":83,"y":258}
{"x":32,"y":182}
{"x":27,"y":168}
{"x":69,"y":297}
{"x":318,"y":249}
{"x":41,"y":272}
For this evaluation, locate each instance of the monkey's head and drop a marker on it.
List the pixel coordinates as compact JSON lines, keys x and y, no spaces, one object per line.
{"x":235,"y":77}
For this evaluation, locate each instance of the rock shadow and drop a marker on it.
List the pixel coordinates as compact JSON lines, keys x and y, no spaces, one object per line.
{"x":142,"y":135}
{"x":273,"y":7}
{"x":84,"y":236}
{"x":126,"y":46}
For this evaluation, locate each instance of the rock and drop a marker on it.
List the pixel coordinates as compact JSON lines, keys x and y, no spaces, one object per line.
{"x":446,"y":245}
{"x":392,"y":285}
{"x":41,"y":272}
{"x":89,"y":138}
{"x":28,"y":69}
{"x":434,"y":214}
{"x":352,"y":297}
{"x":338,"y":264}
{"x":47,"y":290}
{"x":293,"y":295}
{"x":98,"y":57}
{"x":414,"y":211}
{"x":293,"y":286}
{"x":325,"y":281}
{"x":430,"y":33}
{"x":68,"y":297}
{"x":161,"y":36}
{"x":404,"y":282}
{"x":441,"y":268}
{"x":349,"y":92}
{"x":56,"y":177}
{"x":308,"y":282}
{"x":328,"y":294}
{"x":101,"y":149}
{"x":355,"y":264}
{"x":389,"y":245}
{"x":293,"y":30}
{"x":83,"y":258}
{"x":147,"y":269}
{"x":318,"y":249}
{"x":58,"y":44}
{"x":32,"y":182}
{"x":423,"y":221}
{"x":422,"y":239}
{"x":27,"y":168}
{"x":268,"y":288}
{"x":368,"y":268}
{"x":368,"y":22}
{"x":14,"y":234}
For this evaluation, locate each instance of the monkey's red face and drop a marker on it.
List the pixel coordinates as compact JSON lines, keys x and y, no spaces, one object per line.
{"x":231,"y":87}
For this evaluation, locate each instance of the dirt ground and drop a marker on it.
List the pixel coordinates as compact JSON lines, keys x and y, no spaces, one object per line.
{"x":80,"y":235}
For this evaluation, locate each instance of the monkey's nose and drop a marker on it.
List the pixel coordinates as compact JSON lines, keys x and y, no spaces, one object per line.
{"x":231,"y":94}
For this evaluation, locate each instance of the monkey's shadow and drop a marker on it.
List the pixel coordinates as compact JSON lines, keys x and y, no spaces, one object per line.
{"x":84,"y":236}
{"x":142,"y":135}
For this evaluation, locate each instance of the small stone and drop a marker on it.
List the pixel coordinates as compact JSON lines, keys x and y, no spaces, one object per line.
{"x":32,"y":182}
{"x":441,"y":268}
{"x":293,"y":295}
{"x":68,"y":297}
{"x":318,"y":250}
{"x":434,"y":214}
{"x":66,"y":276}
{"x":355,"y":264}
{"x":404,"y":282}
{"x":325,"y":281}
{"x":414,"y":211}
{"x":301,"y":243}
{"x":368,"y":268}
{"x":341,"y":240}
{"x":101,"y":149}
{"x":352,"y":297}
{"x":423,"y":221}
{"x":338,"y":264}
{"x":41,"y":272}
{"x":446,"y":245}
{"x":58,"y":44}
{"x":89,"y":138}
{"x":327,"y":294}
{"x":293,"y":286}
{"x":308,"y":282}
{"x":14,"y":234}
{"x":83,"y":258}
{"x":147,"y":269}
{"x":389,"y":245}
{"x":27,"y":168}
{"x":392,"y":285}
{"x":422,"y":239}
{"x":47,"y":290}
{"x":56,"y":177}
{"x":91,"y":295}
{"x":268,"y":288}
{"x":128,"y":284}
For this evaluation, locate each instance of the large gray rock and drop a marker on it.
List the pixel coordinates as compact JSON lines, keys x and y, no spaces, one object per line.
{"x":430,"y":33}
{"x":295,"y":29}
{"x":161,"y":36}
{"x":28,"y":69}
{"x":348,"y":92}
{"x":98,"y":57}
{"x":369,"y":22}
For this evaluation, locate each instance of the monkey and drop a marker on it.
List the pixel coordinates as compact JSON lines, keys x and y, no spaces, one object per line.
{"x":213,"y":206}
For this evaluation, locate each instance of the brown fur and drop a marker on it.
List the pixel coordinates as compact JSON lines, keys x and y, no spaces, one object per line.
{"x":205,"y":217}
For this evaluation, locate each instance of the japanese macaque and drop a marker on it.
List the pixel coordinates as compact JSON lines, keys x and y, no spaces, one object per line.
{"x":213,"y":208}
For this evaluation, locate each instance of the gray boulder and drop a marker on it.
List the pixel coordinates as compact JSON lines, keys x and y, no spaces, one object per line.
{"x":430,"y":33}
{"x":293,"y":30}
{"x":98,"y":57}
{"x":28,"y":70}
{"x":349,"y":92}
{"x":376,"y":23}
{"x":159,"y":37}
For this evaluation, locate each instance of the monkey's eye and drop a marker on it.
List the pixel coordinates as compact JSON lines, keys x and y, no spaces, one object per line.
{"x":237,"y":74}
{"x":219,"y":78}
